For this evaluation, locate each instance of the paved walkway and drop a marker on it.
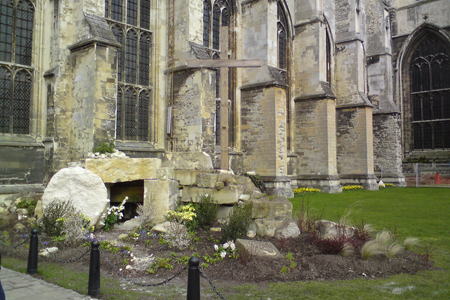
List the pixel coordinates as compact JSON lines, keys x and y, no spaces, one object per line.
{"x":19,"y":286}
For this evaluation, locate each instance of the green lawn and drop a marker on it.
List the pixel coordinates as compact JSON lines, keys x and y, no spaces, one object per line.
{"x":423,"y":213}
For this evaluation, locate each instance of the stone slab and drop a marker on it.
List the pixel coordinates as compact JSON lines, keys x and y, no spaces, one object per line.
{"x":223,"y":196}
{"x":124,"y":169}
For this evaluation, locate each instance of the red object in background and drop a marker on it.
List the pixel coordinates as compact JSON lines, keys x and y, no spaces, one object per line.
{"x":437,"y":179}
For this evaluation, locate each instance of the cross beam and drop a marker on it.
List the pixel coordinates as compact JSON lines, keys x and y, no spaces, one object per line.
{"x":224,"y":64}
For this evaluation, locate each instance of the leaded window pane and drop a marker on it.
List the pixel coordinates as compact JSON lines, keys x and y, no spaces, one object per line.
{"x":117,"y":10}
{"x":118,"y":33}
{"x":446,"y":133}
{"x":145,"y":14}
{"x":206,"y":22}
{"x":24,"y":32}
{"x":119,"y":114}
{"x":131,"y":57}
{"x":144,"y":105}
{"x":225,"y":17}
{"x":132,"y":12}
{"x":430,"y":94}
{"x":130,"y":114}
{"x":21,"y":103}
{"x":282,"y":38}
{"x":438,"y":136}
{"x":216,"y":27}
{"x":144,"y":59}
{"x":6,"y":29}
{"x":5,"y":99}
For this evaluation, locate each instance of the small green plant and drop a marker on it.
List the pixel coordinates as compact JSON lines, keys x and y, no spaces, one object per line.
{"x":105,"y":148}
{"x":183,"y":260}
{"x":161,"y":263}
{"x":204,"y":265}
{"x":29,"y":204}
{"x":6,"y":235}
{"x":284,"y":269}
{"x":238,"y":223}
{"x":370,"y":249}
{"x":126,"y":261}
{"x":206,"y":209}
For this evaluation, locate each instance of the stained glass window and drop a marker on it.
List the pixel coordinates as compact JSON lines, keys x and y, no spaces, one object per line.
{"x":282,"y":38}
{"x":16,"y":38}
{"x":430,"y":94}
{"x":130,"y":23}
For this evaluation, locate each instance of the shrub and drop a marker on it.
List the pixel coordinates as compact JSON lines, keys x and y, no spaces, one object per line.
{"x":146,"y":213}
{"x":330,"y":245}
{"x":62,"y":219}
{"x":184,"y":215}
{"x":176,"y":236}
{"x":238,"y":223}
{"x":306,"y":219}
{"x":206,"y":210}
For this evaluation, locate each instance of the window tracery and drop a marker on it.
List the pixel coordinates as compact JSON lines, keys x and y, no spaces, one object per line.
{"x":430,"y":94}
{"x":16,"y":71}
{"x":130,"y":24}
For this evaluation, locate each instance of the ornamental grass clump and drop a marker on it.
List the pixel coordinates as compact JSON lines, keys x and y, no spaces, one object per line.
{"x":410,"y":242}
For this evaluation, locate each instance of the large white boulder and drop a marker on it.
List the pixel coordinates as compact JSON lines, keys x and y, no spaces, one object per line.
{"x":85,"y":189}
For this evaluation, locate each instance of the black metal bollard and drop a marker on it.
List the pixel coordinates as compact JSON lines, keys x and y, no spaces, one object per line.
{"x":94,"y":270}
{"x":33,"y":252}
{"x":193,"y":288}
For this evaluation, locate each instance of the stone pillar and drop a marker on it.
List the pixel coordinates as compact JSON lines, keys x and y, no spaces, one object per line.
{"x":263,"y":131}
{"x":162,"y":195}
{"x":386,"y":114}
{"x":263,"y":100}
{"x":354,"y":110}
{"x":315,"y":101}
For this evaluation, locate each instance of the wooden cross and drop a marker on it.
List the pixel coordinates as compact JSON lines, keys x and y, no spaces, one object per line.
{"x":224,"y":63}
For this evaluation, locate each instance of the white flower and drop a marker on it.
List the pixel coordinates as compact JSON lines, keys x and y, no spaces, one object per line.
{"x":225,"y":246}
{"x":216,"y":247}
{"x":223,"y":254}
{"x":232,"y":246}
{"x":206,"y":195}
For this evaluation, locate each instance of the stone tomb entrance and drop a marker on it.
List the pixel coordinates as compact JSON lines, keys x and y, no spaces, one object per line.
{"x":134,"y":190}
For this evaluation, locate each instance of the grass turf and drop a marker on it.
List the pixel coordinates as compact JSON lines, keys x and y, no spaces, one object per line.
{"x":422,"y":213}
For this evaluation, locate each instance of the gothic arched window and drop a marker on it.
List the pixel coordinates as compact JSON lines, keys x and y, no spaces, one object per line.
{"x":130,"y":24}
{"x":282,"y":38}
{"x":219,"y":15}
{"x":430,"y":94}
{"x":16,"y":31}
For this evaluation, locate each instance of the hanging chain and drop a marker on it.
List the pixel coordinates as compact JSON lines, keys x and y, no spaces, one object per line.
{"x":59,"y":259}
{"x":20,"y":243}
{"x":212,"y":285}
{"x":137,"y":283}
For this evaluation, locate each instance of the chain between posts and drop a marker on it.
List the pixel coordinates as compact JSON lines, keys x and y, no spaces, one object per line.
{"x":61,"y":260}
{"x":15,"y":246}
{"x":137,"y":283}
{"x":212,"y":285}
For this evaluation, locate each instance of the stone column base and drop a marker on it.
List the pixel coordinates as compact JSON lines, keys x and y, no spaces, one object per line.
{"x":278,"y":186}
{"x":328,"y":184}
{"x":368,"y":181}
{"x":395,"y":179}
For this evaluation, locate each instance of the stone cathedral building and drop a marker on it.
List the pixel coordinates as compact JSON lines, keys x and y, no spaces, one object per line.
{"x":347,"y":90}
